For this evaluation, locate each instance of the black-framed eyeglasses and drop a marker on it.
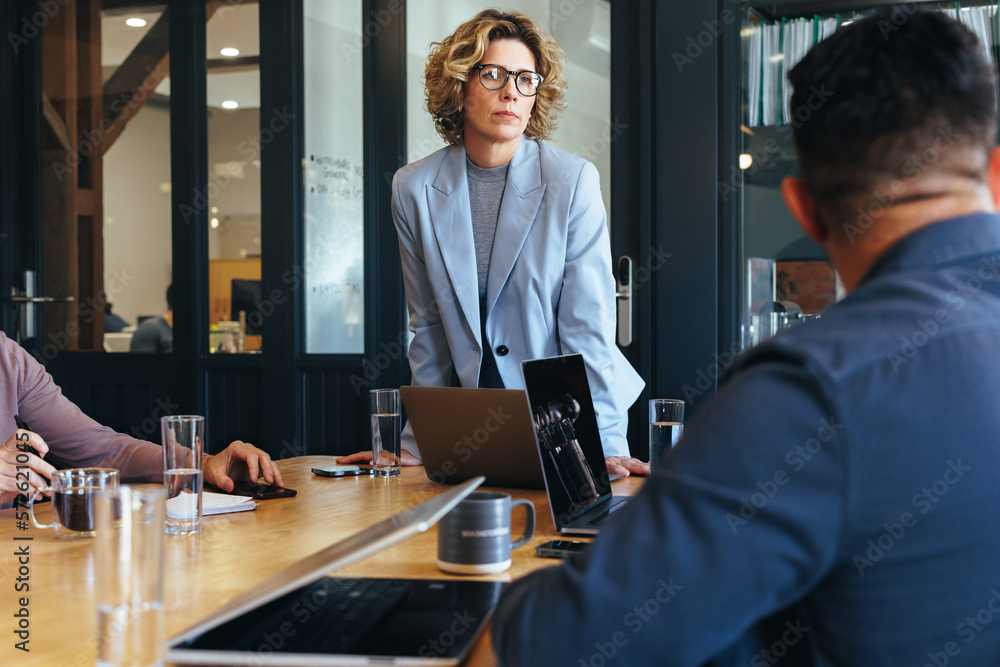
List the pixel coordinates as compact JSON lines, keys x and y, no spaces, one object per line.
{"x":494,"y":77}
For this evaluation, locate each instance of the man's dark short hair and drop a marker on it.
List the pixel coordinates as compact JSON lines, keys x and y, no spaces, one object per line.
{"x":896,"y":94}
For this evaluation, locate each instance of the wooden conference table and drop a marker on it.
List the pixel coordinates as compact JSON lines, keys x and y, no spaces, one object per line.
{"x":234,"y":553}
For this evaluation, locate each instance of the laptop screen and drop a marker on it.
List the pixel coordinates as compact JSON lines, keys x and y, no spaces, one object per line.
{"x":569,"y":440}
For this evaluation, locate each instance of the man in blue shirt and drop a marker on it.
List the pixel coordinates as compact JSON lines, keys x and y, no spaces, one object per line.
{"x":847,"y":474}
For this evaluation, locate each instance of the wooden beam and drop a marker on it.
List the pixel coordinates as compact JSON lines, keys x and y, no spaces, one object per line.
{"x":54,"y":123}
{"x":135,"y":80}
{"x":59,"y":180}
{"x":237,"y":64}
{"x":126,"y":6}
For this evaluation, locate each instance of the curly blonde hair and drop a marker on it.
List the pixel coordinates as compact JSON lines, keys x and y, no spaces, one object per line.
{"x":452,"y":59}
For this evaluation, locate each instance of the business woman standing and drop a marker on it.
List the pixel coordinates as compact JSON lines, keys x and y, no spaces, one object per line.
{"x":503,"y":239}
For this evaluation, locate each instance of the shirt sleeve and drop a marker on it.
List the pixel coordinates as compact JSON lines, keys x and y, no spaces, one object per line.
{"x":74,"y":439}
{"x":587,"y":312}
{"x":744,"y":519}
{"x":429,"y":353}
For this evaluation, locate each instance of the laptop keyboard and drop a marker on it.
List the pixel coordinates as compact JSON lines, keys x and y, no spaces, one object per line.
{"x":602,"y":517}
{"x":328,"y":615}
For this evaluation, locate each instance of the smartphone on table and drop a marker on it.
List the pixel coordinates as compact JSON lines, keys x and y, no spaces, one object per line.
{"x":342,"y":470}
{"x":261,"y":490}
{"x":560,"y":548}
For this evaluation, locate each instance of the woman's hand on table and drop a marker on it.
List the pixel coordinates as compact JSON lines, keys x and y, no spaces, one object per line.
{"x":625,"y":466}
{"x":405,"y":458}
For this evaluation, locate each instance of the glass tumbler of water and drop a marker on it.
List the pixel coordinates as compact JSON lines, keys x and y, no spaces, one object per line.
{"x":183,"y":446}
{"x":387,"y":421}
{"x":129,"y":575}
{"x":666,"y":423}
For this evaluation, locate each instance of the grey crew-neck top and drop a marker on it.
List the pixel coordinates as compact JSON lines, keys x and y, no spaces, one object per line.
{"x":485,"y":194}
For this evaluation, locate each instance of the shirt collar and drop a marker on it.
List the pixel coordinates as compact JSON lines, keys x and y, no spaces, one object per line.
{"x":942,"y":242}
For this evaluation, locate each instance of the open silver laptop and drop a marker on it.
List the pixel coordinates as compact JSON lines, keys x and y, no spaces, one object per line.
{"x":465,"y":432}
{"x":569,"y":444}
{"x":301,"y":617}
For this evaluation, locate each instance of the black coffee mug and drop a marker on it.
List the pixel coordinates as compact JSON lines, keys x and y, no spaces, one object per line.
{"x":474,"y":538}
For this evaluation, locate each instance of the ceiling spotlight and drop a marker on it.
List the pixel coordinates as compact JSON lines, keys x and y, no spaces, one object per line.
{"x":230,"y":104}
{"x":135,"y":22}
{"x":230,"y":52}
{"x":215,"y":223}
{"x":746,"y":161}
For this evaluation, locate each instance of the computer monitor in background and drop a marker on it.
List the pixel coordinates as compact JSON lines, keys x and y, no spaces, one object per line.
{"x":245,"y":295}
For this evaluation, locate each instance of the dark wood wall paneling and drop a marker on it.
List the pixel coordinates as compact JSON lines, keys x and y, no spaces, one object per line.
{"x":235,"y":408}
{"x":336,"y":414}
{"x":130,"y":392}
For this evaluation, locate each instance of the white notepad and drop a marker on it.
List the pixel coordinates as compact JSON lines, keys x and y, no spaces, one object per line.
{"x":222,"y":503}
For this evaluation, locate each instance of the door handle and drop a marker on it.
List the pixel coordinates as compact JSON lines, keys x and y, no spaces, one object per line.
{"x":42,"y":299}
{"x":624,"y":298}
{"x":27,"y":302}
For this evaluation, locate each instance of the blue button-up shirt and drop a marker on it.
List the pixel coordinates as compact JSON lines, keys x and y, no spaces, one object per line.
{"x":847,"y":472}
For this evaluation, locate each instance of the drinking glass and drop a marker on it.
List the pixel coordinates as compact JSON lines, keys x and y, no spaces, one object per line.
{"x":183,"y":446}
{"x":666,"y":424}
{"x":386,"y":426}
{"x":129,"y":576}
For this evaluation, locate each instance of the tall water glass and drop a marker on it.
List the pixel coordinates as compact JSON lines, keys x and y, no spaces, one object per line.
{"x":387,"y":421}
{"x":666,"y":424}
{"x":183,"y":446}
{"x":129,"y":576}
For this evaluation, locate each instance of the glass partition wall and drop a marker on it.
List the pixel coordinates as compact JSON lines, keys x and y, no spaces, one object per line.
{"x":105,"y":179}
{"x":786,"y":277}
{"x":234,"y":183}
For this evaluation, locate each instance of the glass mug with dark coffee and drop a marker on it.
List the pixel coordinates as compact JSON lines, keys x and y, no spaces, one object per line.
{"x":72,"y":494}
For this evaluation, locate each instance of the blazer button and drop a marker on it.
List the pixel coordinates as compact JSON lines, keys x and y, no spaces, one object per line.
{"x":502,"y":351}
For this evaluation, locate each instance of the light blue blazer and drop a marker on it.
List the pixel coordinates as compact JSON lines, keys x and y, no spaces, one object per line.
{"x":550,"y":288}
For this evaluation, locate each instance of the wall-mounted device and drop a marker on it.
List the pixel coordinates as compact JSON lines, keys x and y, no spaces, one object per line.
{"x":623,"y":275}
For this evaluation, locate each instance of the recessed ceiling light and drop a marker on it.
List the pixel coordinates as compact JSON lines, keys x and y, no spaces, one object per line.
{"x":230,"y":51}
{"x":215,"y":223}
{"x":230,"y":104}
{"x":135,"y":22}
